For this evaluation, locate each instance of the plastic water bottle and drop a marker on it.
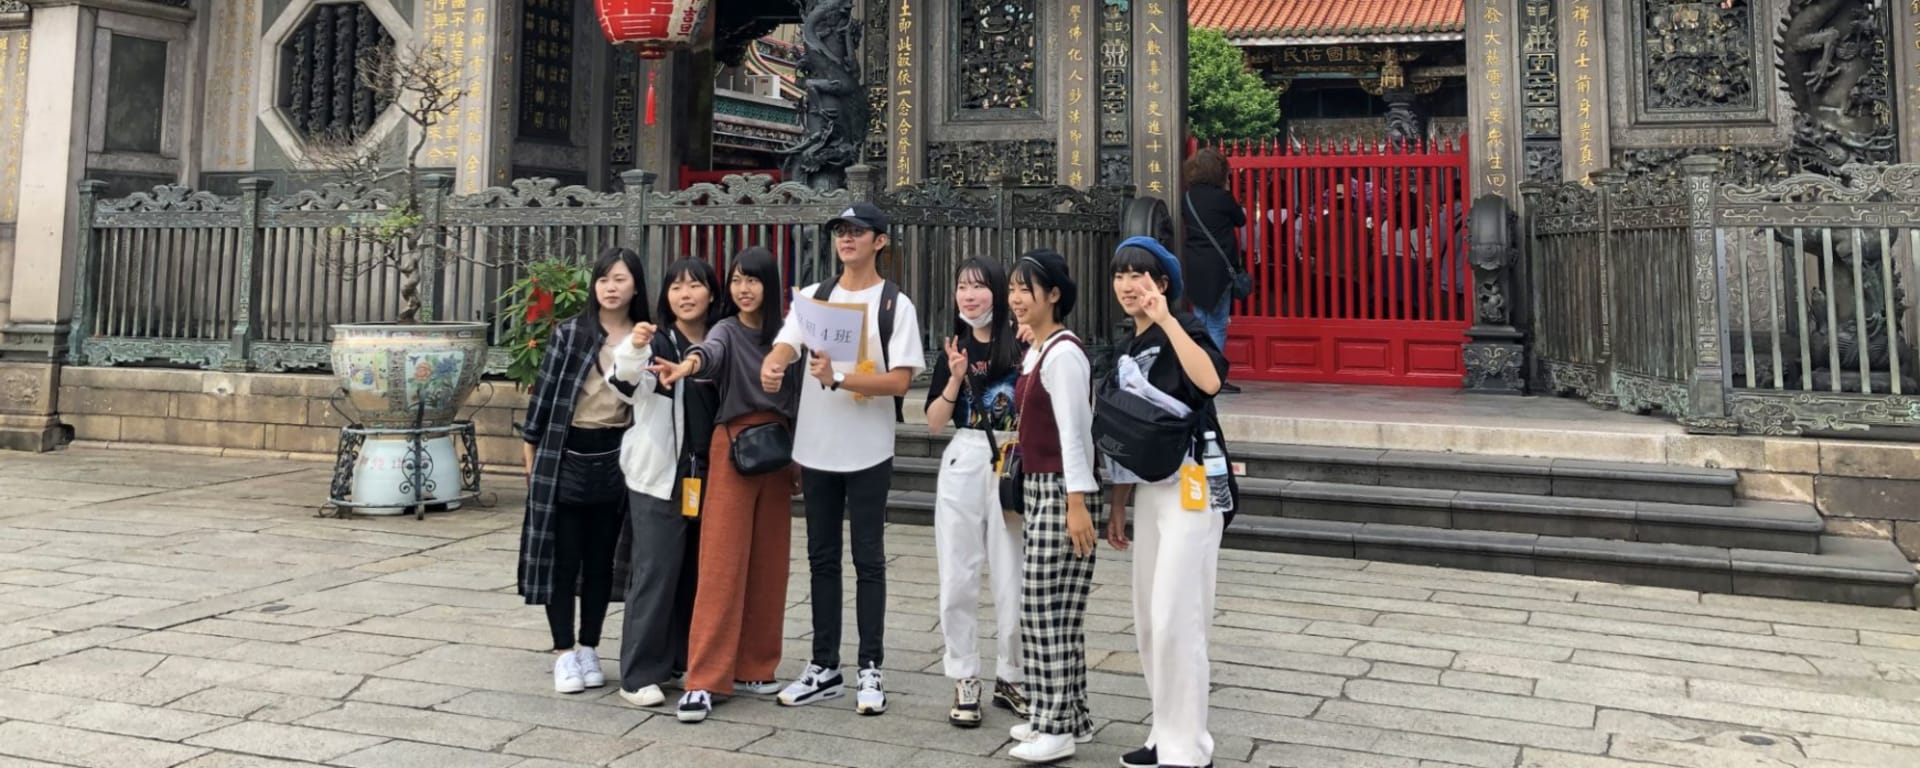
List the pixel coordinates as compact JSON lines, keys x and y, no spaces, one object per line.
{"x":1215,"y":460}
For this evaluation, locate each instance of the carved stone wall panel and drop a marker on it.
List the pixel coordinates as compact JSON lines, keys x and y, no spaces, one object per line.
{"x":1540,"y":123}
{"x":14,"y":47}
{"x":972,"y":163}
{"x":233,"y":45}
{"x":878,"y":19}
{"x":1710,"y":86}
{"x":1904,"y":97}
{"x":1116,"y":51}
{"x":1697,"y":58}
{"x":996,"y":58}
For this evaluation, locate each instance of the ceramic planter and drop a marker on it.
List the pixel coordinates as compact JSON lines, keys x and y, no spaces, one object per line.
{"x":397,"y":376}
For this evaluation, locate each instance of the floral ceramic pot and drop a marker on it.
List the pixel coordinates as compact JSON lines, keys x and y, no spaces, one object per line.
{"x":397,"y":376}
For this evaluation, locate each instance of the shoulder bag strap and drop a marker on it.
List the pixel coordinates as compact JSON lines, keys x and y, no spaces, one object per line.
{"x":1231,"y":268}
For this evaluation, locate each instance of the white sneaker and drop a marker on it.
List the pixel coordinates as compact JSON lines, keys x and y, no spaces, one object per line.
{"x":1044,"y":748}
{"x":872,"y":699}
{"x":1024,"y":732}
{"x":816,"y":684}
{"x":566,"y":674}
{"x":589,"y":661}
{"x":650,"y":696}
{"x":695,"y":706}
{"x":757,"y":687}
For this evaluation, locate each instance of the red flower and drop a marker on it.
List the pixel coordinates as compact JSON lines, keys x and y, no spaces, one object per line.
{"x":541,"y":307}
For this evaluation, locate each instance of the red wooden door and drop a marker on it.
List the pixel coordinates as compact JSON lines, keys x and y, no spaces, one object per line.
{"x":1358,"y":255}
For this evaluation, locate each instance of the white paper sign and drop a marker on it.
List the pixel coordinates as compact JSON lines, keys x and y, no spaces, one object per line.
{"x":838,"y":331}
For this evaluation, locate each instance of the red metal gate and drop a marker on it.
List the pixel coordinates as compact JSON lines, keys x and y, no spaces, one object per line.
{"x":1358,"y":255}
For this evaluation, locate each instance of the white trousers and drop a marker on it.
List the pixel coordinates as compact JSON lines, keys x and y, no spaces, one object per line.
{"x":969,"y":531}
{"x":1176,"y":554}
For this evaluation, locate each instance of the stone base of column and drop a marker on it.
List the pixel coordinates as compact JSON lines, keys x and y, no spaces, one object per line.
{"x":29,"y":406}
{"x":1494,"y":362}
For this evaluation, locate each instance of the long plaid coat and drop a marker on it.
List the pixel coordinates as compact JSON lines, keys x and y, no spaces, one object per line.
{"x":569,"y":359}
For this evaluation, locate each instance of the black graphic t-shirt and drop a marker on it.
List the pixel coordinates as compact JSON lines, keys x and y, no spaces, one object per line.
{"x":983,"y":404}
{"x":1161,"y":365}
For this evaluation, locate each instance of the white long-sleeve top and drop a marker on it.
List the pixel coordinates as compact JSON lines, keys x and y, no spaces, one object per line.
{"x":650,"y":448}
{"x":1068,"y":377}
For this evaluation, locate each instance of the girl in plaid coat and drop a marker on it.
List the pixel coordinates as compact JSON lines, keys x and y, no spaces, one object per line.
{"x":576,"y":496}
{"x":1054,"y":397}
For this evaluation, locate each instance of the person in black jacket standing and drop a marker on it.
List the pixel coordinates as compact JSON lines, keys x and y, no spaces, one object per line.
{"x":1212,"y":216}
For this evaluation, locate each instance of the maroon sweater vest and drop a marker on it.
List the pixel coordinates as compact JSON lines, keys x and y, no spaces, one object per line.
{"x":1039,"y":433}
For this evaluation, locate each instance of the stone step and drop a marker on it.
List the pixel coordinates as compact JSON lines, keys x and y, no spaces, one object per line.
{"x":1847,"y":570}
{"x":1579,"y":478}
{"x":1781,"y":526}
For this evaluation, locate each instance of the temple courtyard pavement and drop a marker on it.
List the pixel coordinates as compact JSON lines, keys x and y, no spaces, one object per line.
{"x":174,"y":609}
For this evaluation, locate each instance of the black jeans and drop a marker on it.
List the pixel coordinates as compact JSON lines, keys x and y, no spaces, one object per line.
{"x":584,"y":539}
{"x":859,"y":499}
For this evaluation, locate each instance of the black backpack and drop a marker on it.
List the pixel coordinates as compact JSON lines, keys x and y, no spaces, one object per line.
{"x":889,"y":296}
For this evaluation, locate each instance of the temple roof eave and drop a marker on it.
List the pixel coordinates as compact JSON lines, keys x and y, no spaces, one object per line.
{"x":1272,"y":41}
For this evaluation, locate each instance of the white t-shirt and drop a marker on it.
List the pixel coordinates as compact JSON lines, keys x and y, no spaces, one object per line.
{"x":835,"y":433}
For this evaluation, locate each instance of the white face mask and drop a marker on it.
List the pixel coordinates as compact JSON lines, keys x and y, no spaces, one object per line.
{"x":985,"y":319}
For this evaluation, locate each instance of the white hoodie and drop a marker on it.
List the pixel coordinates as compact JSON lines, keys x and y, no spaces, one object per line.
{"x":650,"y":449}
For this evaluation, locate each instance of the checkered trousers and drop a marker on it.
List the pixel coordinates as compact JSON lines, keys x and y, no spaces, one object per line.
{"x":1053,"y":608}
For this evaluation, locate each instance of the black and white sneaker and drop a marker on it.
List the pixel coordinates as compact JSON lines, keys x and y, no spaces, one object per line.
{"x":815,"y":685}
{"x":695,"y":706}
{"x":872,"y":699}
{"x":966,"y":704}
{"x":1144,"y":757}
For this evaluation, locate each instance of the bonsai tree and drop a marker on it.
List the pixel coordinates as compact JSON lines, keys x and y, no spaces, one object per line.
{"x":426,"y":86}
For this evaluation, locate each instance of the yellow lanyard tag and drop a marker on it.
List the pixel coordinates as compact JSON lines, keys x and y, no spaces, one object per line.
{"x":690,"y":497}
{"x":1193,"y":488}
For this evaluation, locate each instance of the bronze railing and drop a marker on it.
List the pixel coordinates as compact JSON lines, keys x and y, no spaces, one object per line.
{"x":256,"y":281}
{"x":1781,"y":307}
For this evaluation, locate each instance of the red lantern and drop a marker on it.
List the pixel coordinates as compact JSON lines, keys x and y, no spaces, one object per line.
{"x":653,"y":27}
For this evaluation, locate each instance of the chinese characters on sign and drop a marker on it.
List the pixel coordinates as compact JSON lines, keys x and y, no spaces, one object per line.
{"x":1077,"y":124}
{"x":546,"y":69}
{"x":1329,"y":54}
{"x":1497,"y":114}
{"x":904,"y":131}
{"x":1582,"y":27}
{"x":1162,"y":140}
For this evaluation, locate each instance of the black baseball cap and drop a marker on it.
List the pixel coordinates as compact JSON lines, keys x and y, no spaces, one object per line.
{"x":864,"y":215}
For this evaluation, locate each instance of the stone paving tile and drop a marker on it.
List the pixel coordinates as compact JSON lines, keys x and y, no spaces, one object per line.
{"x":68,"y":746}
{"x":291,"y":742}
{"x":418,"y":725}
{"x":144,"y":722}
{"x":407,"y":754}
{"x":251,"y":633}
{"x":571,"y":746}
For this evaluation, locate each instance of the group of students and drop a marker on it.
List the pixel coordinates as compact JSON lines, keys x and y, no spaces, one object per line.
{"x":657,"y":448}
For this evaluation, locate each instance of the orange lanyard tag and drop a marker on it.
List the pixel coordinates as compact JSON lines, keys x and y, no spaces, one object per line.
{"x":1193,"y":488}
{"x":690,"y":497}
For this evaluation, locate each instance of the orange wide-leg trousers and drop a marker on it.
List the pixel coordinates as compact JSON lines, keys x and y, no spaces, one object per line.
{"x":746,"y":529}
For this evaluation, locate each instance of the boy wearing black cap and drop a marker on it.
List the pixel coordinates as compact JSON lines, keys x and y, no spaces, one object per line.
{"x":844,"y":443}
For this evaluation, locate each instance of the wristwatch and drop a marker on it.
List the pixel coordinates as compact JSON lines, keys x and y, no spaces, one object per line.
{"x":839,"y":378}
